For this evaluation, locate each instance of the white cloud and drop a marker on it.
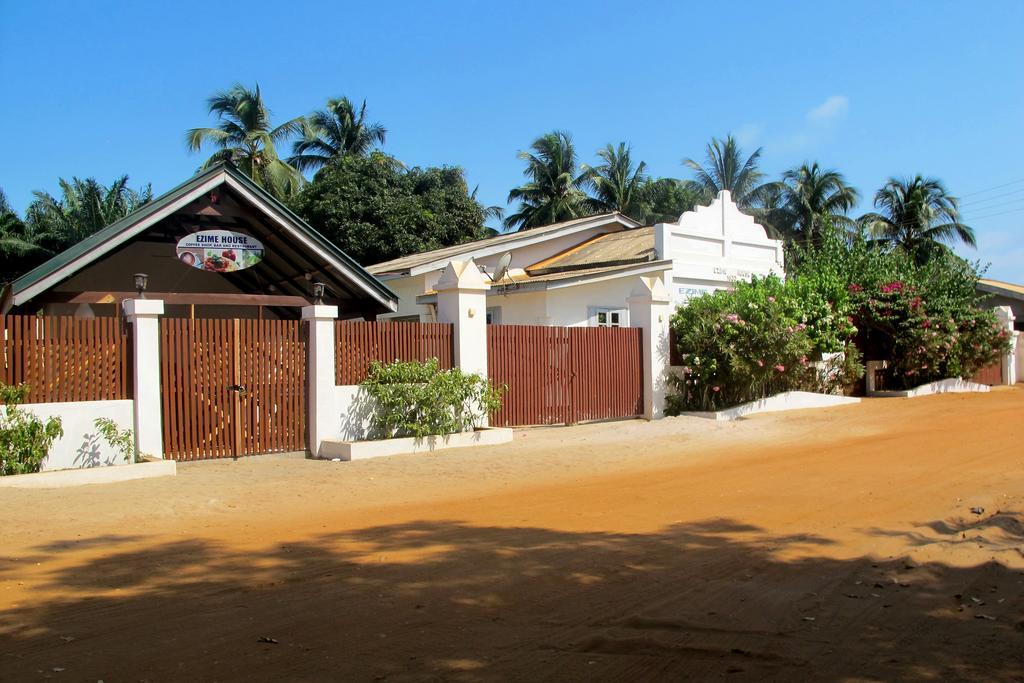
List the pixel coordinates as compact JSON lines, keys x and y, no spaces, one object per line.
{"x":832,"y":108}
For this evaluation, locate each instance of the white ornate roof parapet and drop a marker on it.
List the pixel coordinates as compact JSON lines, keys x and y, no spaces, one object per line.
{"x":724,"y":214}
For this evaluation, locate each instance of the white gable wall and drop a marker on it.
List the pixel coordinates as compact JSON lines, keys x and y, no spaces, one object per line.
{"x":713,"y":246}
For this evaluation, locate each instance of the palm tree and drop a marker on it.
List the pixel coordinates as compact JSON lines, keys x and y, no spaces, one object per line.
{"x":554,"y":191}
{"x":18,"y":250}
{"x":334,"y":132}
{"x":666,"y":199}
{"x":245,"y":138}
{"x":810,"y":197}
{"x":918,"y":215}
{"x":727,"y":170}
{"x":85,"y":207}
{"x":616,"y":183}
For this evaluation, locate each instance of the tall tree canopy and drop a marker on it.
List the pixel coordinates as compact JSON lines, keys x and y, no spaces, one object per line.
{"x":336,"y":131}
{"x":555,"y":188}
{"x":84,"y":207}
{"x":376,"y":210}
{"x":53,"y":224}
{"x":726,"y":169}
{"x":809,"y":198}
{"x":917,"y":214}
{"x":18,"y":250}
{"x":246,"y":137}
{"x":617,"y":183}
{"x":666,"y":199}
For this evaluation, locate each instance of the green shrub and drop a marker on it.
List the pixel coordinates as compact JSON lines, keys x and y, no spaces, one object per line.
{"x":745,"y":344}
{"x":25,"y":440}
{"x":923,"y":317}
{"x":419,"y":399}
{"x":122,"y":441}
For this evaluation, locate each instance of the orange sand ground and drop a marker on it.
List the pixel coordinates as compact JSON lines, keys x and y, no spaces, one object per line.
{"x":816,"y":545}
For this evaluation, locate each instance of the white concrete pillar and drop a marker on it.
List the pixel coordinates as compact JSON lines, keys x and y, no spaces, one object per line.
{"x":320,"y":408}
{"x":650,"y":309}
{"x":143,"y":316}
{"x":1006,"y":317}
{"x":462,"y":301}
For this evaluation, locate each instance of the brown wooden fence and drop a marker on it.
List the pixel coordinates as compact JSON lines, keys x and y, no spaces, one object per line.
{"x":563,"y":375}
{"x":991,"y":375}
{"x":358,"y":343}
{"x":63,"y":358}
{"x":232,"y":387}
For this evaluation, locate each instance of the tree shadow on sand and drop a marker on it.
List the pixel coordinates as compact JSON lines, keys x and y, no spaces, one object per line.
{"x":443,"y":600}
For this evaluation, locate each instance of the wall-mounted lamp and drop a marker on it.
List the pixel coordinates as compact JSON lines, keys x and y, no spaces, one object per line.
{"x":471,"y":312}
{"x":141,"y":281}
{"x":318,"y":293}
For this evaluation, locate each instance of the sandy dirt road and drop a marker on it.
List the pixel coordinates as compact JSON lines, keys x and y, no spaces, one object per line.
{"x":819,"y":545}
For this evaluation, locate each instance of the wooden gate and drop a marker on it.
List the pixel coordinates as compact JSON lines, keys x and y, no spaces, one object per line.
{"x":233,"y":387}
{"x":991,"y":375}
{"x":563,"y":375}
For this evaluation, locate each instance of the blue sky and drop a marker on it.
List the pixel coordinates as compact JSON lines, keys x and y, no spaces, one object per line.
{"x":872,"y":89}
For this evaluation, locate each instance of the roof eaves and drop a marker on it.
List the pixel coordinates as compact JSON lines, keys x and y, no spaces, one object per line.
{"x":99,"y":239}
{"x":528,"y":237}
{"x":332,"y":249}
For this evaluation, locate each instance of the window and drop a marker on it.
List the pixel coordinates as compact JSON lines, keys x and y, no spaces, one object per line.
{"x":608,"y":317}
{"x":494,"y":315}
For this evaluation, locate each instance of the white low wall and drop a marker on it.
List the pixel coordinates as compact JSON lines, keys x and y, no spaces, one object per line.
{"x":82,"y":446}
{"x":943,"y":386}
{"x":360,"y":450}
{"x":352,"y":411}
{"x":789,"y":400}
{"x":58,"y":479}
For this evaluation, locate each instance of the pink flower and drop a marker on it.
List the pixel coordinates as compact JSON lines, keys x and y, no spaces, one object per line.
{"x":780,"y":368}
{"x":896,"y":286}
{"x":772,"y":299}
{"x":760,"y":363}
{"x":715,"y":388}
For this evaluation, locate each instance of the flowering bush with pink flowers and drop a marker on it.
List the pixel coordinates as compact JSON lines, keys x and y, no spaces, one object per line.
{"x":927,"y":336}
{"x":924,"y":318}
{"x":747,"y":343}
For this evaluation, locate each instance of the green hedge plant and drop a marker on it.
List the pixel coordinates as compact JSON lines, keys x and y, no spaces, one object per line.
{"x":748,"y":343}
{"x":25,"y":439}
{"x":418,"y":399}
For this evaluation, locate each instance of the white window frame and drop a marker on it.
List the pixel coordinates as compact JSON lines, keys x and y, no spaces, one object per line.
{"x":619,"y":314}
{"x":493,"y":315}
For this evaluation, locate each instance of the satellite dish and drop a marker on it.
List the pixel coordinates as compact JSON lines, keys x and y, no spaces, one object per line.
{"x":502,"y":268}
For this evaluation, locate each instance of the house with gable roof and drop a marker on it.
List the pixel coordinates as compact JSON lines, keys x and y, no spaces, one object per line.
{"x":581,"y":272}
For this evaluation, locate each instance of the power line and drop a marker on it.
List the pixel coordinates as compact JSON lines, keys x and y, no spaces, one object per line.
{"x":996,"y":187}
{"x":984,"y":200}
{"x":993,"y":215}
{"x":993,"y":206}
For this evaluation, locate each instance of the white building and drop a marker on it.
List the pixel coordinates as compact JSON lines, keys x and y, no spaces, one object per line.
{"x":580,"y":272}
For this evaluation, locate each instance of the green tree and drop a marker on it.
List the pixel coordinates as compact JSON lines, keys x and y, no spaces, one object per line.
{"x":554,"y":190}
{"x":376,"y":210}
{"x":811,"y":197}
{"x":617,"y":183}
{"x":917,"y":214}
{"x":726,"y":169}
{"x":336,"y":131}
{"x":666,"y":199}
{"x":84,"y":207}
{"x":19,"y":250}
{"x":246,"y":138}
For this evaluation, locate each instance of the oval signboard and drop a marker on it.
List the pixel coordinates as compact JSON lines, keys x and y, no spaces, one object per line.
{"x":219,"y":251}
